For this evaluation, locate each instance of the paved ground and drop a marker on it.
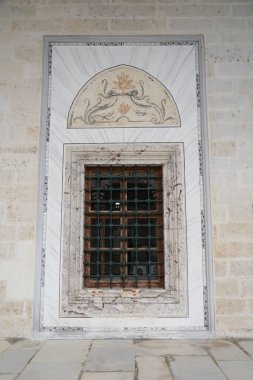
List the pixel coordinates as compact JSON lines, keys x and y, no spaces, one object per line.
{"x":126,"y":360}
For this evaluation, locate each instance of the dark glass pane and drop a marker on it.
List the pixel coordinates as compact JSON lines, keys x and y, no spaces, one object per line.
{"x":116,"y":258}
{"x":142,"y":263}
{"x":105,"y":232}
{"x":94,"y":263}
{"x":104,"y":263}
{"x":141,"y":194}
{"x":105,"y":194}
{"x":94,"y":233}
{"x":141,"y":233}
{"x":111,"y":233}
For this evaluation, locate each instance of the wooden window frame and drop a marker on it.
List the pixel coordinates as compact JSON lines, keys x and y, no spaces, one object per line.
{"x":124,"y":279}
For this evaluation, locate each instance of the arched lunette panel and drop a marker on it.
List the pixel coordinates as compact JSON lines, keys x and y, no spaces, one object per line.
{"x":123,"y":96}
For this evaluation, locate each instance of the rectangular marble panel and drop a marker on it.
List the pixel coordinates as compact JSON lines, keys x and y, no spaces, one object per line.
{"x":177,"y":64}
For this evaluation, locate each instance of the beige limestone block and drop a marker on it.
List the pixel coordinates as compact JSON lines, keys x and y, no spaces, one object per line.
{"x":75,"y":25}
{"x":156,"y":25}
{"x":202,"y":10}
{"x":236,"y":232}
{"x":250,"y":306}
{"x":38,"y":25}
{"x":246,"y":290}
{"x":242,"y":10}
{"x":242,"y":268}
{"x":230,"y":306}
{"x":2,"y":290}
{"x":7,"y":231}
{"x":25,"y":231}
{"x":32,"y":134}
{"x":15,"y":327}
{"x":5,"y":247}
{"x":5,"y":24}
{"x":224,"y":148}
{"x":242,"y":211}
{"x":237,"y":249}
{"x":18,"y":10}
{"x":11,"y":308}
{"x":220,"y":213}
{"x":19,"y":272}
{"x":226,"y":287}
{"x":220,"y":267}
{"x":237,"y":69}
{"x":124,"y":11}
{"x":29,"y":309}
{"x":245,"y":85}
{"x":220,"y":86}
{"x":230,"y":24}
{"x":190,"y":25}
{"x":22,"y":193}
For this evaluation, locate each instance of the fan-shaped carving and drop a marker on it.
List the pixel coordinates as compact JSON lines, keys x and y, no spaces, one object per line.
{"x":126,"y":96}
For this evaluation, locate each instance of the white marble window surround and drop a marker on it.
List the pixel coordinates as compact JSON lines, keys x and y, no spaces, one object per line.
{"x":76,"y":301}
{"x":62,"y":306}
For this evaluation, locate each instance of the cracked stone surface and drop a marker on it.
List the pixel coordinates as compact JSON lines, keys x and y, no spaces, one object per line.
{"x":169,"y":359}
{"x":62,"y":351}
{"x":195,"y":368}
{"x":247,"y":345}
{"x":158,"y":370}
{"x":14,"y":360}
{"x":111,"y":356}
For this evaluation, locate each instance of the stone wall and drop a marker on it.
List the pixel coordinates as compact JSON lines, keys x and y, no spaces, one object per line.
{"x":227,"y":26}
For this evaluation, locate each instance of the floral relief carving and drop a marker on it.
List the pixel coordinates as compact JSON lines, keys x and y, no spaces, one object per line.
{"x":123,"y":108}
{"x":123,"y":82}
{"x":123,"y":95}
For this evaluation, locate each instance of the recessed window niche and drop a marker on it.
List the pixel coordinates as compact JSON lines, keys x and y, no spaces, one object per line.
{"x":141,"y":299}
{"x":123,"y":224}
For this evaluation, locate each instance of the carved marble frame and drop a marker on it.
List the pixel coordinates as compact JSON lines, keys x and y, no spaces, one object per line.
{"x":77,"y":301}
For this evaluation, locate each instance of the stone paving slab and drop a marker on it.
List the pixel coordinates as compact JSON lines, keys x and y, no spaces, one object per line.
{"x":14,"y":360}
{"x":51,"y":371}
{"x":168,"y":347}
{"x":237,"y":370}
{"x":3,"y":345}
{"x":116,"y":360}
{"x":110,"y":356}
{"x":107,"y":376}
{"x":152,"y":368}
{"x":247,"y":345}
{"x":195,"y":368}
{"x":63,"y":351}
{"x":227,"y":351}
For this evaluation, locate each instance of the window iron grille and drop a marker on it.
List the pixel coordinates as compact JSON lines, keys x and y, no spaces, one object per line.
{"x":123,"y":227}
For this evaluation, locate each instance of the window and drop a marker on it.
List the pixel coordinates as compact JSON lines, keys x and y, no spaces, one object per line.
{"x":123,"y":230}
{"x":123,"y":227}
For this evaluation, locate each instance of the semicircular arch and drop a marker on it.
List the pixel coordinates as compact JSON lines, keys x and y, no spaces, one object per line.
{"x":124,"y":96}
